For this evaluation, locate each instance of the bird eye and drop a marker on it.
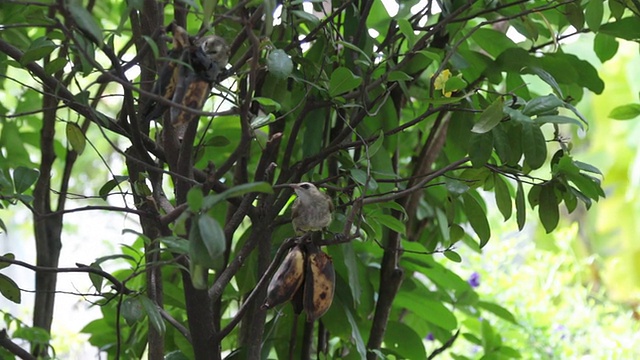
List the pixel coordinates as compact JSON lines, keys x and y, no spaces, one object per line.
{"x":304,"y":186}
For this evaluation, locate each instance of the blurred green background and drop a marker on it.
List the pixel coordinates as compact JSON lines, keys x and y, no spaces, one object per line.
{"x":576,"y":292}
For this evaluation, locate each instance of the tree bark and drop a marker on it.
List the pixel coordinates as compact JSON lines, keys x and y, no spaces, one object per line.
{"x":47,"y":227}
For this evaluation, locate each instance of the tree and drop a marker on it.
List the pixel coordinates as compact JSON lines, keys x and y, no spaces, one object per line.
{"x":409,"y":121}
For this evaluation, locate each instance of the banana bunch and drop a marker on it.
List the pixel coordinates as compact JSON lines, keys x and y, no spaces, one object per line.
{"x":307,"y":278}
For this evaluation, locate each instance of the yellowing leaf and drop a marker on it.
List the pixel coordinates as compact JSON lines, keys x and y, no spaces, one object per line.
{"x":441,"y":80}
{"x":76,"y":137}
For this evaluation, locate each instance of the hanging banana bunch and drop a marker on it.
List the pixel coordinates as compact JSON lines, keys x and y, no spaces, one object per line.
{"x":187,"y":80}
{"x":306,"y":277}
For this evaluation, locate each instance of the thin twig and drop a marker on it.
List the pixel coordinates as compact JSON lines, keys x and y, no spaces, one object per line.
{"x":81,"y":268}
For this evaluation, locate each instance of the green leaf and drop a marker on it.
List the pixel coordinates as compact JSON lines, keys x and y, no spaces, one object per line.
{"x":454,"y":84}
{"x":617,"y":9}
{"x":84,"y":20}
{"x":477,"y":218}
{"x":625,"y":112}
{"x":310,"y":18}
{"x":489,"y":339}
{"x":480,"y":148}
{"x":443,"y":223}
{"x":534,"y":195}
{"x":23,"y":178}
{"x":521,"y":207}
{"x":132,"y":310}
{"x":492,"y":41}
{"x":239,"y":190}
{"x":627,"y":28}
{"x":574,"y":14}
{"x":355,"y":333}
{"x":453,"y":256}
{"x":198,"y":252}
{"x":372,"y":149}
{"x":517,"y":115}
{"x":558,"y":119}
{"x":605,"y":46}
{"x":439,"y":315}
{"x":407,"y":30}
{"x":155,"y":319}
{"x":548,"y":209}
{"x":217,"y":141}
{"x":96,"y":280}
{"x":587,"y":167}
{"x":593,"y":14}
{"x":9,"y":289}
{"x":509,"y":352}
{"x":76,"y":137}
{"x":404,"y":341}
{"x":490,"y":117}
{"x":351,"y":262}
{"x":38,"y":49}
{"x":578,"y":113}
{"x":570,"y":200}
{"x":212,"y":235}
{"x":175,"y":244}
{"x":153,"y":46}
{"x":350,"y":46}
{"x":588,"y":186}
{"x":267,"y":102}
{"x":501,"y":144}
{"x":389,"y":222}
{"x":503,"y":197}
{"x":262,"y":120}
{"x":110,"y":185}
{"x":498,"y":311}
{"x":399,"y":76}
{"x":195,"y":198}
{"x":534,"y":145}
{"x":343,"y":80}
{"x":546,"y":77}
{"x":542,"y":105}
{"x":9,"y":256}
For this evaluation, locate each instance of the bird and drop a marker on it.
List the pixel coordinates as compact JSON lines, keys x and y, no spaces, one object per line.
{"x":188,"y":79}
{"x":312,"y":209}
{"x":216,"y":50}
{"x":168,"y":76}
{"x":207,"y":58}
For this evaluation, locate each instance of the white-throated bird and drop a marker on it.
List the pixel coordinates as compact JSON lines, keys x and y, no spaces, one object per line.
{"x":311,"y":210}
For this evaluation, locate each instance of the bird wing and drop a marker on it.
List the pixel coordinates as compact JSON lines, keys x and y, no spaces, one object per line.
{"x":192,"y":86}
{"x":168,"y":76}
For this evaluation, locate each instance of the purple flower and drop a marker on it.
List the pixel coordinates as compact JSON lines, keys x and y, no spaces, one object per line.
{"x":559,"y":328}
{"x":474,"y":280}
{"x":430,"y":337}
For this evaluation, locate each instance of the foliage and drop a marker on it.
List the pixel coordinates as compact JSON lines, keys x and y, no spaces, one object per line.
{"x":407,"y":120}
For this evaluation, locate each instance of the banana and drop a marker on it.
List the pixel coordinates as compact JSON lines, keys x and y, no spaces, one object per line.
{"x":287,"y":279}
{"x":319,"y":283}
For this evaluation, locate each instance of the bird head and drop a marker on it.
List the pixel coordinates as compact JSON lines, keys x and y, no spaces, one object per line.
{"x":215,"y":48}
{"x":305,"y":190}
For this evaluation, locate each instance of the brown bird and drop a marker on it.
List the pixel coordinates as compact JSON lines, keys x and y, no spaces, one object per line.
{"x":168,"y":76}
{"x":216,"y":50}
{"x":207,"y":58}
{"x":311,"y":210}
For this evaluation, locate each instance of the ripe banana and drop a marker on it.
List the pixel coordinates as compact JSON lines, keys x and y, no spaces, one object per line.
{"x":287,"y":279}
{"x":319,"y":283}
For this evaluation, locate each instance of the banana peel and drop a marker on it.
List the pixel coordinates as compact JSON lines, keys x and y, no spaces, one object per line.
{"x":306,"y":277}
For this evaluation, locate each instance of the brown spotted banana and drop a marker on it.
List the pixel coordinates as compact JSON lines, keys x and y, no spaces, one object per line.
{"x":319,"y":283}
{"x":287,"y":279}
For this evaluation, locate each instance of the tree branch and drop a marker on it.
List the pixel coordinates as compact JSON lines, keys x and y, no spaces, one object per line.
{"x":13,"y":348}
{"x":81,"y":268}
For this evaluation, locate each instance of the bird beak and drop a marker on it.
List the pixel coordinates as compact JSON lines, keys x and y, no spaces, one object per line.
{"x":294,"y":186}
